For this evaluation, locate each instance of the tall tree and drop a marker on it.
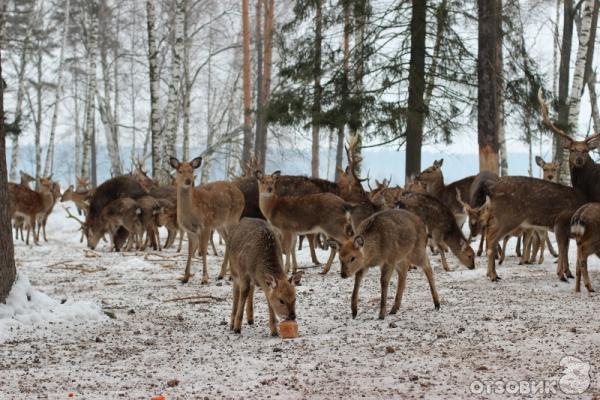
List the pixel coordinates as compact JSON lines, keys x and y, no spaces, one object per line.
{"x":154,"y":77}
{"x":487,"y":89}
{"x":48,"y":166}
{"x":88,"y":157}
{"x":247,"y":145}
{"x":318,"y":90}
{"x":416,"y":88}
{"x":339,"y":154}
{"x":8,"y":271}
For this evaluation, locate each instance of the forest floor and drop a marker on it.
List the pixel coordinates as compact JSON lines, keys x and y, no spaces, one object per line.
{"x":486,"y":338}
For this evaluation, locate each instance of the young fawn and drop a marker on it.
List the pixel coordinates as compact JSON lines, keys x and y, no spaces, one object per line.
{"x":585,"y":228}
{"x":393,"y":239}
{"x":200,"y":210}
{"x":295,"y":215}
{"x":256,"y":260}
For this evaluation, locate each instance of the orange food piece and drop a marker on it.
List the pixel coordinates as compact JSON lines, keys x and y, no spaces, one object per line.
{"x":288,"y":329}
{"x":159,"y":397}
{"x":71,"y":394}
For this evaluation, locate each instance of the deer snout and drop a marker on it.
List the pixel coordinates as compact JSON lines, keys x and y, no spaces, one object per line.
{"x":579,"y":161}
{"x":292,"y":316}
{"x":344,"y":272}
{"x":187,"y":181}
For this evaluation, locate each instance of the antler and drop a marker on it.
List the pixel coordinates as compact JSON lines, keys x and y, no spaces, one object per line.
{"x":460,"y":200}
{"x":69,"y":215}
{"x":353,"y":158}
{"x":546,"y":119}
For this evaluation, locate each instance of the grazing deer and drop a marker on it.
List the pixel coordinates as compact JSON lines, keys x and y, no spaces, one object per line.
{"x":256,"y":260}
{"x":200,"y":210}
{"x":304,"y":214}
{"x":433,"y":179}
{"x":441,"y":225}
{"x":523,"y":202}
{"x":394,"y":240}
{"x":149,"y":219}
{"x":585,"y":228}
{"x":30,"y":205}
{"x":122,"y":213}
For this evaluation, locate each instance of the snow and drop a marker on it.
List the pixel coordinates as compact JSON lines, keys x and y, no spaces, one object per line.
{"x":517,"y":329}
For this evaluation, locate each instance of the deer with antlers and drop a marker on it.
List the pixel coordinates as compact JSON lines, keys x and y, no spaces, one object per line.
{"x":200,"y":210}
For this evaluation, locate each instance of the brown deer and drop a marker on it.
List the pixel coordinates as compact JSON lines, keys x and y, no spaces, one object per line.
{"x":149,"y":219}
{"x":394,"y":240}
{"x":82,"y":185}
{"x":585,"y":228}
{"x":19,"y":221}
{"x":304,"y":214}
{"x":30,"y":205}
{"x":256,"y":260}
{"x":55,"y":189}
{"x":523,"y":202}
{"x":550,"y":173}
{"x":433,"y":179}
{"x":80,"y":198}
{"x":167,"y":217}
{"x":123,"y":213}
{"x":441,"y":225}
{"x":200,"y":210}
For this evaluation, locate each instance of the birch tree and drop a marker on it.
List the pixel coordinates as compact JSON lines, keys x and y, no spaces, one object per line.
{"x":154,"y":86}
{"x":90,"y":111}
{"x":247,"y":145}
{"x":48,"y":167}
{"x":316,"y":109}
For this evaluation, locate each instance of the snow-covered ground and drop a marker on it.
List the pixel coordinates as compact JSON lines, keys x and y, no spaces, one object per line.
{"x":511,"y":332}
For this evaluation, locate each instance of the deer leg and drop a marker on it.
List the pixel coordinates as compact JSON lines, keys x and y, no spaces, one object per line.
{"x":225,"y":264}
{"x":480,"y":250}
{"x":300,"y":241}
{"x":402,"y":271}
{"x":244,"y":292}
{"x":542,"y":236}
{"x":332,"y":253}
{"x":518,"y":249}
{"x":192,"y":244}
{"x":44,"y":229}
{"x":311,"y":244}
{"x":504,"y":242}
{"x":357,"y":280}
{"x":236,"y":299}
{"x":212,"y":243}
{"x":586,"y":276}
{"x":250,"y":306}
{"x":293,"y":254}
{"x":204,"y":238}
{"x":181,"y":233}
{"x":386,"y":274}
{"x":562,"y":233}
{"x":550,"y":246}
{"x":583,"y":252}
{"x":527,"y":241}
{"x":428,"y":271}
{"x":286,"y":243}
{"x":494,"y":233}
{"x":272,"y":320}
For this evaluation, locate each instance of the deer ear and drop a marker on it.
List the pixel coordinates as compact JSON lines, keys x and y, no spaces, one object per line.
{"x":276,"y":174}
{"x":539,"y":161}
{"x":438,"y":163}
{"x":334,"y":244}
{"x":270,"y":280}
{"x":566,"y":142}
{"x":593,"y":143}
{"x":359,"y":241}
{"x":296,"y":278}
{"x":196,"y":162}
{"x":174,"y":162}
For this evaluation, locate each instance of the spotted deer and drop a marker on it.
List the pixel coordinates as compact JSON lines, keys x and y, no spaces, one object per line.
{"x":393,"y":240}
{"x":31,"y":205}
{"x":200,"y":210}
{"x":585,"y":228}
{"x":256,"y":260}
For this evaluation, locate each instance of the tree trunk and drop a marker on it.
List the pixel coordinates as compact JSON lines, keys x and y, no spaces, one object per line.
{"x":555,"y":48}
{"x":487,"y":93}
{"x":187,"y":85}
{"x":77,"y":126}
{"x":594,"y":102}
{"x":258,"y":43}
{"x":441,"y":16}
{"x":316,"y":108}
{"x":503,"y":152}
{"x":339,"y":154}
{"x":360,"y":20}
{"x":262,"y":123}
{"x":247,"y":146}
{"x":154,"y":86}
{"x":172,"y":112}
{"x":38,"y":114}
{"x":204,"y":177}
{"x":416,"y":88}
{"x":90,"y":112}
{"x":48,"y":167}
{"x":563,"y":89}
{"x":8,"y":271}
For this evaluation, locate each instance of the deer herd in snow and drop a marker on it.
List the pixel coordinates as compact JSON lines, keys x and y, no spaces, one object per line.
{"x":260,"y":216}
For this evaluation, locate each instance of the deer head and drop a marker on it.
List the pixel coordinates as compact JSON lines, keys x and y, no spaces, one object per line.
{"x":550,"y":170}
{"x":185,"y":171}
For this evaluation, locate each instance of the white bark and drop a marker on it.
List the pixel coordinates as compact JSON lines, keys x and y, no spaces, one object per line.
{"x":578,"y":74}
{"x":172,"y":112}
{"x":91,"y":91}
{"x":187,"y":87}
{"x":154,"y":87}
{"x":48,"y":167}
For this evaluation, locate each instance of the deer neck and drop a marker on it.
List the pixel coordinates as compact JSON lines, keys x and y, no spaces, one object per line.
{"x":436,"y":186}
{"x":266,"y":202}
{"x":184,"y":200}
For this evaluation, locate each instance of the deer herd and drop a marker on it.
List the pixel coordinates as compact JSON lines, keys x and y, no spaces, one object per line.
{"x":259,"y":216}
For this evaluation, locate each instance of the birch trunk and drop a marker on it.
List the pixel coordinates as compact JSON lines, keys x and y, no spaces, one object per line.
{"x":503,"y":153}
{"x":247,"y":146}
{"x":38,"y":116}
{"x":204,"y":177}
{"x":91,"y":93}
{"x":258,"y":43}
{"x":155,"y":133}
{"x":339,"y":153}
{"x":48,"y":167}
{"x":594,"y":102}
{"x":77,"y":126}
{"x":317,"y":91}
{"x":172,"y":113}
{"x":187,"y":85}
{"x":360,"y":16}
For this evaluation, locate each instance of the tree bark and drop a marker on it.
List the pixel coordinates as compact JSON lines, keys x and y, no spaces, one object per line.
{"x":38,"y":114}
{"x":316,"y":108}
{"x":487,"y":93}
{"x":91,"y":92}
{"x":416,"y":88}
{"x":187,"y":85}
{"x":247,"y":145}
{"x":8,"y":271}
{"x":563,"y":89}
{"x":339,"y":154}
{"x":154,"y":86}
{"x":210,"y":133}
{"x":503,"y":152}
{"x":258,"y":43}
{"x":48,"y":167}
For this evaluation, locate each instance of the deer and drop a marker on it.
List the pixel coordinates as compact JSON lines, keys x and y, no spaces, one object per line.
{"x":394,"y":240}
{"x":80,"y":198}
{"x":524,"y":202}
{"x":121,"y":213}
{"x":149,"y":219}
{"x":433,"y":179}
{"x":19,"y":221}
{"x":82,"y":185}
{"x":585,"y":228}
{"x":302,"y":214}
{"x":255,"y":258}
{"x":441,"y":225}
{"x":167,"y":217}
{"x":55,"y":189}
{"x":200,"y":210}
{"x":30,"y":205}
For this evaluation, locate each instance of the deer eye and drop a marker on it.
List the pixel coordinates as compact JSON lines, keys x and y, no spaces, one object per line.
{"x":352,"y":259}
{"x":281,"y":302}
